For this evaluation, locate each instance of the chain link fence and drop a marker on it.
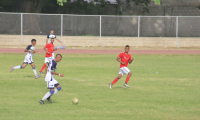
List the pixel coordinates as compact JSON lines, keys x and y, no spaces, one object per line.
{"x":91,"y":25}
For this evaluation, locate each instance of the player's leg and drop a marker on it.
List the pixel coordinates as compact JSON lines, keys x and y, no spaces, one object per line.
{"x":116,"y":79}
{"x":18,"y":67}
{"x":58,"y":88}
{"x":50,"y":85}
{"x":34,"y":71}
{"x":44,"y":65}
{"x":48,"y":94}
{"x":128,"y":72}
{"x":53,"y":56}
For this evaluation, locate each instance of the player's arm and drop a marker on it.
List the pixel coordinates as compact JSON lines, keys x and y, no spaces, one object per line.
{"x":119,"y":60}
{"x":131,"y":60}
{"x":46,"y":41}
{"x":45,"y":49}
{"x":55,"y":49}
{"x":29,"y":50}
{"x":55,"y":73}
{"x":58,"y":40}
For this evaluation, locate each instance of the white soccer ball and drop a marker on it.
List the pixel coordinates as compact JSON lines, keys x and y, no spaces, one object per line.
{"x":75,"y":101}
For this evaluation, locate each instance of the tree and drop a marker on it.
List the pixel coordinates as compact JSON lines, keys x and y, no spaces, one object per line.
{"x":143,"y":3}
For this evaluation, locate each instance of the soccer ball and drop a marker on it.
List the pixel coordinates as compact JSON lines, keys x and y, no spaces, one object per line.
{"x":75,"y":101}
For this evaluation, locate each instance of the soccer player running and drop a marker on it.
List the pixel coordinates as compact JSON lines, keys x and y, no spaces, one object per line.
{"x":124,"y":59}
{"x":49,"y":48}
{"x":52,"y":35}
{"x":28,"y":58}
{"x":51,"y":81}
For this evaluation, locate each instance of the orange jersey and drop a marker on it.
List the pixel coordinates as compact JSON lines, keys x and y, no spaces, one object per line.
{"x":50,"y":48}
{"x":124,"y":58}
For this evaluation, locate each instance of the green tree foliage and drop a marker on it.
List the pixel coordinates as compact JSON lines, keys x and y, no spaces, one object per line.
{"x":67,"y":6}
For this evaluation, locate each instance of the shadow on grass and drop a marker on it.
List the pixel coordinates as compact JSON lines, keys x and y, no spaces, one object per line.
{"x":120,"y":87}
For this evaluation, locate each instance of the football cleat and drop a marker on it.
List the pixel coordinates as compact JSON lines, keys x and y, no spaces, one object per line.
{"x":41,"y":73}
{"x":49,"y":99}
{"x":126,"y":85}
{"x":11,"y":69}
{"x":110,"y":85}
{"x":41,"y":102}
{"x":36,"y":77}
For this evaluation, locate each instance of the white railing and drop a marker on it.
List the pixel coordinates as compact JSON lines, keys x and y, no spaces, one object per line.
{"x":99,"y":25}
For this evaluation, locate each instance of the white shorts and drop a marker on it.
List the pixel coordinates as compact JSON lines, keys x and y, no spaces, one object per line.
{"x":48,"y":59}
{"x":53,"y":56}
{"x":28,"y":59}
{"x":51,"y":84}
{"x":124,"y":70}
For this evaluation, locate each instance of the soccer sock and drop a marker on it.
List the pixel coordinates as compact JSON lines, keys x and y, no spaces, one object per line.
{"x":127,"y":79}
{"x":17,"y":67}
{"x":55,"y":91}
{"x":114,"y":81}
{"x":43,"y":67}
{"x":48,"y":94}
{"x":35,"y":72}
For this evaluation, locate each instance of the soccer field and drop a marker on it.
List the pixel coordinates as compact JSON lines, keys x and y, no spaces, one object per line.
{"x":162,"y":87}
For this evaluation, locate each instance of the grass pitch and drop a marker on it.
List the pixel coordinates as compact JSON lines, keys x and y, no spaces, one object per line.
{"x":162,"y":87}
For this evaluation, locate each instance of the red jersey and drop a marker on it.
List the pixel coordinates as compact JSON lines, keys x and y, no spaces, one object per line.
{"x":50,"y":48}
{"x":124,"y":58}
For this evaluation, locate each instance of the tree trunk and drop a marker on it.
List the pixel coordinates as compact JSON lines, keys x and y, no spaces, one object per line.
{"x":31,"y":6}
{"x":31,"y":22}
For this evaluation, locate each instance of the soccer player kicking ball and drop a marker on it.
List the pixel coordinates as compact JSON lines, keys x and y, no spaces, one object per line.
{"x":52,"y":35}
{"x":49,"y":48}
{"x":124,"y":59}
{"x":28,"y":58}
{"x":51,"y":81}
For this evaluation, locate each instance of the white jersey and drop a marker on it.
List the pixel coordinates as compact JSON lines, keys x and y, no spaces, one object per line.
{"x":30,"y":48}
{"x":50,"y":36}
{"x":52,"y":65}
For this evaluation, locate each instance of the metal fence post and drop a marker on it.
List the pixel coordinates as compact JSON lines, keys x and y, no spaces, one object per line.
{"x":138,"y":26}
{"x":138,"y":31}
{"x":21,"y":28}
{"x":177,"y":40}
{"x":100,"y":30}
{"x":61,"y":28}
{"x":177,"y":26}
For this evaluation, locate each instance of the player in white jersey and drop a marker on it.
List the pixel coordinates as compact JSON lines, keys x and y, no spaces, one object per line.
{"x":51,"y":81}
{"x":52,"y":35}
{"x":28,"y":58}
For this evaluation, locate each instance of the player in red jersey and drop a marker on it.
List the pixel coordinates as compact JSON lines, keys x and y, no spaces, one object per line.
{"x":124,"y":59}
{"x":49,"y":48}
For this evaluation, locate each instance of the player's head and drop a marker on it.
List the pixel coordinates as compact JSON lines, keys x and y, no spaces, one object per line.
{"x":127,"y":48}
{"x":52,"y":40}
{"x":52,"y":31}
{"x":58,"y":58}
{"x":33,"y":41}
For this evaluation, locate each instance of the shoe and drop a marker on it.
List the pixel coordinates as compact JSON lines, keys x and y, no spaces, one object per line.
{"x":49,"y":99}
{"x":11,"y":69}
{"x":110,"y":85}
{"x":41,"y":73}
{"x":36,"y":77}
{"x":41,"y":102}
{"x":126,"y":85}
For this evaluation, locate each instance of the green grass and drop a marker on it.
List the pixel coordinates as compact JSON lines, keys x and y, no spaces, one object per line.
{"x":171,"y":94}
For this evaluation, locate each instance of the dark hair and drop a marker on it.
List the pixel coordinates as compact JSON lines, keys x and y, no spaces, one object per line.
{"x":52,"y":38}
{"x":58,"y":54}
{"x":126,"y":46}
{"x":51,"y":30}
{"x":33,"y":40}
